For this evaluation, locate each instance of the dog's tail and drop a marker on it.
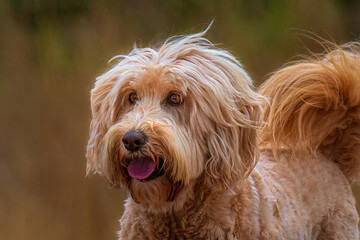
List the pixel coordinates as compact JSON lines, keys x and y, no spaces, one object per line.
{"x":315,"y":108}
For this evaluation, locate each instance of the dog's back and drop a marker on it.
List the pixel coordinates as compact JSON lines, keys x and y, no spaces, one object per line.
{"x":291,"y":198}
{"x":311,"y":145}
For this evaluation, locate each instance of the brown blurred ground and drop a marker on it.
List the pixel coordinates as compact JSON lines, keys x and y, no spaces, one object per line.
{"x":50,"y":54}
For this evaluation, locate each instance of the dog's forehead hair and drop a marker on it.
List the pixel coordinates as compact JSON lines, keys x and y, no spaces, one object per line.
{"x":157,"y":81}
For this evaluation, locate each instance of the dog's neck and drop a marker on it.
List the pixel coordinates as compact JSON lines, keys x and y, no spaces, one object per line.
{"x":205,"y":208}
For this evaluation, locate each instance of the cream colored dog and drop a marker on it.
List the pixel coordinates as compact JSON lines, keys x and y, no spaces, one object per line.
{"x":177,"y":126}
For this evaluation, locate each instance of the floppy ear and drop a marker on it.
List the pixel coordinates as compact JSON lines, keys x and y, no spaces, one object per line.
{"x":227,"y":110}
{"x":225,"y":113}
{"x":100,"y":109}
{"x":233,"y":146}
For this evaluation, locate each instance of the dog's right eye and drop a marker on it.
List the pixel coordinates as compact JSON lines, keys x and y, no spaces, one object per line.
{"x":133,"y":98}
{"x":175,"y":98}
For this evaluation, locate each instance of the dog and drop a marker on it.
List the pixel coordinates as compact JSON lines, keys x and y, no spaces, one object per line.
{"x":204,"y":156}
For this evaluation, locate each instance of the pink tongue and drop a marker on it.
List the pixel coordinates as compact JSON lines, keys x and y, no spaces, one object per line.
{"x":141,"y":168}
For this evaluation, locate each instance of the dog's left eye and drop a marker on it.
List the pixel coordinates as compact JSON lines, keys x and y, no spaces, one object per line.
{"x":133,"y":98}
{"x":175,"y":99}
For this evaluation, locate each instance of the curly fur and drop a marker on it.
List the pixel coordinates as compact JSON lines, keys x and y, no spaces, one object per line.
{"x":210,"y":188}
{"x":315,"y":107}
{"x":314,"y":120}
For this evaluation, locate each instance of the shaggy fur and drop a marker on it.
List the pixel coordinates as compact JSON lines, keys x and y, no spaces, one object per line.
{"x":206,"y":147}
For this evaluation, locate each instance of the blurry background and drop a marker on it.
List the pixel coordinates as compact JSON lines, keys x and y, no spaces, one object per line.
{"x":52,"y":50}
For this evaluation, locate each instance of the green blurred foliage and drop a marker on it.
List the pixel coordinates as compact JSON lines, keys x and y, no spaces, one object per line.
{"x":51,"y":52}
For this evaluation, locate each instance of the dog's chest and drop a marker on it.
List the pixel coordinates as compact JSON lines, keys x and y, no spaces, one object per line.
{"x":202,"y":223}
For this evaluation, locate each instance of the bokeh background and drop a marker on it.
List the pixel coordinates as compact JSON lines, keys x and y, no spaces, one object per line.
{"x":52,"y":50}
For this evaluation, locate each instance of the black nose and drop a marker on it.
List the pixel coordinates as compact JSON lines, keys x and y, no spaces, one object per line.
{"x":133,"y":140}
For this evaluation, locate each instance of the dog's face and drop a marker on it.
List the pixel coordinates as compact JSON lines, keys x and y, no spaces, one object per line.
{"x":164,"y":118}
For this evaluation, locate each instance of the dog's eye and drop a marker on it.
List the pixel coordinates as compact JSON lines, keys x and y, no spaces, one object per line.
{"x":175,"y":99}
{"x":133,"y":98}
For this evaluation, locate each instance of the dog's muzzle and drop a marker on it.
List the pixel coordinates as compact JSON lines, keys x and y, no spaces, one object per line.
{"x":142,"y":168}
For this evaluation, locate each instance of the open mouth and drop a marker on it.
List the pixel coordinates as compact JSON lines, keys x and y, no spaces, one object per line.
{"x":145,"y":168}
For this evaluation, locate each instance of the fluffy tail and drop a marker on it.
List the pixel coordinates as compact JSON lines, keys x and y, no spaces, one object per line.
{"x":315,"y":107}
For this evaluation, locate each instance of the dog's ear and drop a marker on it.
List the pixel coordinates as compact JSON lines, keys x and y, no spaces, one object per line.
{"x":225,"y":112}
{"x":100,"y":108}
{"x":228,"y":110}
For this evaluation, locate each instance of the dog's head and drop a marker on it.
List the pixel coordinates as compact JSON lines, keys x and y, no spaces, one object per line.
{"x":162,"y":118}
